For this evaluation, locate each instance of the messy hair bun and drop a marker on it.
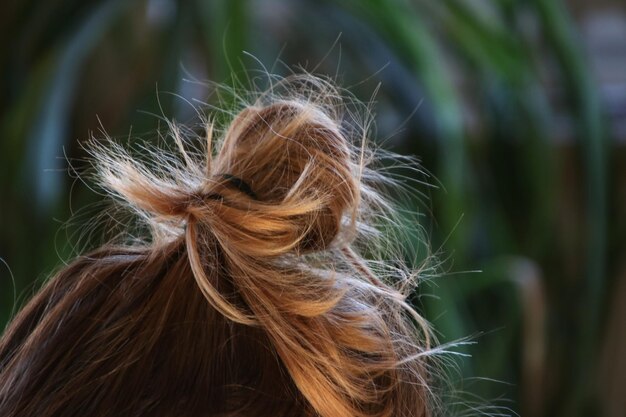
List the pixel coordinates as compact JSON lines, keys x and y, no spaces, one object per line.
{"x":249,"y":297}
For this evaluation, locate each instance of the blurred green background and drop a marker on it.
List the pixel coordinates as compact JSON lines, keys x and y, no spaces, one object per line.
{"x":516,"y":107}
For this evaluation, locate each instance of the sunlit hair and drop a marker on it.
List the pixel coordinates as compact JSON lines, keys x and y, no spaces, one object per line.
{"x":269,"y":284}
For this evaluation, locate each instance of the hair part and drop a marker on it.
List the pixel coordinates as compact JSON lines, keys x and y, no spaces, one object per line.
{"x":249,"y":297}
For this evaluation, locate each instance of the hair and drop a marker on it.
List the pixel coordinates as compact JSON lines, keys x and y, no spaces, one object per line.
{"x":267,"y":283}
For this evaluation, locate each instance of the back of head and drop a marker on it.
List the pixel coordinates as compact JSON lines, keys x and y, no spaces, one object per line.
{"x":249,"y":297}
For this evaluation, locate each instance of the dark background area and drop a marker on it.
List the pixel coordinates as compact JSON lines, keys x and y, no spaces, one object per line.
{"x":516,"y":107}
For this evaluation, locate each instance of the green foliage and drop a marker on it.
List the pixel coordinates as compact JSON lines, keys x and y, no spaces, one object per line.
{"x":480,"y":76}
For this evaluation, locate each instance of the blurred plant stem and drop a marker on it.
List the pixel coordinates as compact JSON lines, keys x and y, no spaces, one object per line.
{"x":592,"y":136}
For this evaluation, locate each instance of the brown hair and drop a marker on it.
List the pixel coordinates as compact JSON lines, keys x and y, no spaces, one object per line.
{"x":249,"y":298}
